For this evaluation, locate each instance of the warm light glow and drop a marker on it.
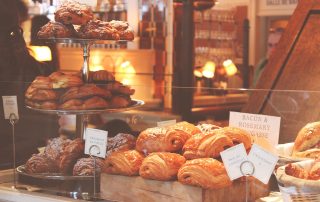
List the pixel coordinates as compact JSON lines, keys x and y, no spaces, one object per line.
{"x":41,"y":53}
{"x":95,"y":68}
{"x":208,"y":69}
{"x":230,"y":67}
{"x":197,"y":73}
{"x":125,"y":72}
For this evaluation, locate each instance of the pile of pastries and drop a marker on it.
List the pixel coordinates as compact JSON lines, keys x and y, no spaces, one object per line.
{"x":188,"y":153}
{"x":75,"y":20}
{"x":63,"y":156}
{"x":183,"y":152}
{"x":68,"y":92}
{"x":307,"y":143}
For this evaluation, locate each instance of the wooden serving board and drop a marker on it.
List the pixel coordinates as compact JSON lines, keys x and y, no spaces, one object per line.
{"x":131,"y":189}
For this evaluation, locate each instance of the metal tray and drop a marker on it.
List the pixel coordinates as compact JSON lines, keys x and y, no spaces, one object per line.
{"x":59,"y":183}
{"x":134,"y":104}
{"x":82,"y":41}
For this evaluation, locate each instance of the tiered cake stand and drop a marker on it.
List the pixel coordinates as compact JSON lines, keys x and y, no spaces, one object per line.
{"x":74,"y":184}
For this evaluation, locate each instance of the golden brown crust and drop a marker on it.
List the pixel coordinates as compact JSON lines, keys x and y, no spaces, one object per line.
{"x":161,"y":166}
{"x":101,"y":75}
{"x":56,"y":30}
{"x":207,"y":173}
{"x":238,"y":136}
{"x":85,"y":91}
{"x":95,"y":103}
{"x":165,"y":139}
{"x":308,"y":138}
{"x":204,"y":145}
{"x":55,"y":147}
{"x":57,"y":81}
{"x":36,"y":94}
{"x":118,"y":88}
{"x":296,"y":171}
{"x":124,"y":163}
{"x":72,"y":12}
{"x":124,"y":30}
{"x":73,"y":104}
{"x":207,"y":127}
{"x":314,"y":173}
{"x":120,"y":142}
{"x":40,"y":163}
{"x":70,"y":154}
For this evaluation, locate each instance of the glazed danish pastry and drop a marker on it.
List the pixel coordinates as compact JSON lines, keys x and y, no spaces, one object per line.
{"x":120,"y":142}
{"x":203,"y":145}
{"x":207,"y":173}
{"x":36,"y":94}
{"x":49,"y":104}
{"x":55,"y":147}
{"x":161,"y":166}
{"x":124,"y":163}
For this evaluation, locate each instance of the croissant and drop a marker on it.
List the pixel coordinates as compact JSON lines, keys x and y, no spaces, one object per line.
{"x":124,"y":163}
{"x":204,"y":145}
{"x":161,"y":166}
{"x":165,"y":139}
{"x":238,"y":136}
{"x":207,"y":173}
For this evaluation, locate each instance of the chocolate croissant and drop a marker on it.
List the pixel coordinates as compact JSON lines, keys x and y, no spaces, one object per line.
{"x":207,"y":173}
{"x":165,"y":139}
{"x":124,"y":163}
{"x":161,"y":166}
{"x":203,"y":145}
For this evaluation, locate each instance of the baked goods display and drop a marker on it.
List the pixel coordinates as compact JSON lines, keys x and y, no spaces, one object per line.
{"x":72,"y":13}
{"x":299,"y":172}
{"x":161,"y":166}
{"x":307,"y":143}
{"x":68,"y":92}
{"x":165,"y":139}
{"x":70,"y":154}
{"x":124,"y":163}
{"x":204,"y":172}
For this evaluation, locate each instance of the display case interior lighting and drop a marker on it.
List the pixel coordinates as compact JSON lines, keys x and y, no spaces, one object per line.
{"x":230,"y":67}
{"x":41,"y":53}
{"x":96,"y":63}
{"x":197,"y":73}
{"x":125,"y":72}
{"x":209,"y":69}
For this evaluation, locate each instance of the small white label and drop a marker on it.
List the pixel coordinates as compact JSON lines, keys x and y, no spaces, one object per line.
{"x":10,"y":106}
{"x":263,"y":129}
{"x":264,"y":163}
{"x":166,"y":123}
{"x":232,"y":158}
{"x":96,"y":142}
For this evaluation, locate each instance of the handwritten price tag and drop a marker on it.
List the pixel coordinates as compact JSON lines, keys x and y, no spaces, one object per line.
{"x":96,"y":142}
{"x":10,"y":106}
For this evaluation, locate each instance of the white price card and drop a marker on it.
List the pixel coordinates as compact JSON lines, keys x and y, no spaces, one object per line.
{"x":96,"y":142}
{"x":263,"y":161}
{"x":166,"y":123}
{"x":232,"y":158}
{"x":10,"y":106}
{"x":263,"y":129}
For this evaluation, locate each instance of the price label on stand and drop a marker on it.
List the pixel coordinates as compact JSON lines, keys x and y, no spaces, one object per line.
{"x":263,"y":129}
{"x":232,"y":159}
{"x":10,"y":106}
{"x":96,"y":142}
{"x":263,"y":161}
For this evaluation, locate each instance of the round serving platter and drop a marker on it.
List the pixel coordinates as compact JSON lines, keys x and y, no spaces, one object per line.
{"x":83,"y":41}
{"x":134,"y":104}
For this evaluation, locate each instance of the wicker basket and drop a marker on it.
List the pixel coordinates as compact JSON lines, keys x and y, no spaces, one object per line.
{"x":284,"y":152}
{"x":295,"y":189}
